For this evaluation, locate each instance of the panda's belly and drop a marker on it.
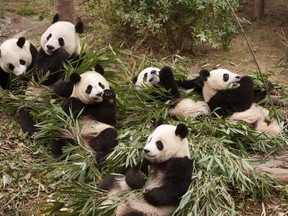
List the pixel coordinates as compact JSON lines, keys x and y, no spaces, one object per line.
{"x":91,"y":129}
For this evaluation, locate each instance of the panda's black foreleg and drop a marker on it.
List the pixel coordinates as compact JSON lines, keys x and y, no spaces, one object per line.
{"x":167,"y":81}
{"x":26,"y":122}
{"x":103,"y":144}
{"x":4,"y":78}
{"x":196,"y":84}
{"x":57,"y":144}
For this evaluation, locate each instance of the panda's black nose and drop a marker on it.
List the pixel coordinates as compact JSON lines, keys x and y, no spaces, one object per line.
{"x":50,"y":47}
{"x":146,"y":151}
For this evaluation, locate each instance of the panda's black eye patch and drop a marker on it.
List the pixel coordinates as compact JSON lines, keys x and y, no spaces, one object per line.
{"x":49,"y":36}
{"x":101,"y":85}
{"x":153,"y":72}
{"x":61,"y":41}
{"x":159,"y":145}
{"x":226,"y":77}
{"x":88,"y":89}
{"x":22,"y":62}
{"x":11,"y":66}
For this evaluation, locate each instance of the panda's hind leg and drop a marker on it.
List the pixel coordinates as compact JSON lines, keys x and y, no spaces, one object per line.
{"x":103,"y":144}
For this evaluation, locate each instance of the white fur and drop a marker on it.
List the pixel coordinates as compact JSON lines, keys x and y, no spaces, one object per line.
{"x":65,"y":30}
{"x":11,"y":53}
{"x":152,"y":79}
{"x":187,"y":108}
{"x":215,"y":82}
{"x":90,"y":78}
{"x":257,"y":114}
{"x":174,"y":146}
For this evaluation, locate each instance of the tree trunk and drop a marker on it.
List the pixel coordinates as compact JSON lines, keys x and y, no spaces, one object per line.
{"x":65,"y":10}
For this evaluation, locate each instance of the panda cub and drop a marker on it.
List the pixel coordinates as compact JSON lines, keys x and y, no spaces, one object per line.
{"x":233,"y":96}
{"x":17,"y":56}
{"x":90,"y":99}
{"x":61,"y":41}
{"x":164,"y":175}
{"x":182,"y":107}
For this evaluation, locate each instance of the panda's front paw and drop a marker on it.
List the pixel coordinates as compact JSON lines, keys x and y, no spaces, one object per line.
{"x":135,"y":178}
{"x":109,"y":95}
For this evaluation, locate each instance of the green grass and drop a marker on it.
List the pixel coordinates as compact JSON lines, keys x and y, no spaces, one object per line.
{"x":223,"y":178}
{"x":27,"y":11}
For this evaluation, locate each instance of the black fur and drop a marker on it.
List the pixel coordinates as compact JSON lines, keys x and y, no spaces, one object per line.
{"x":62,"y":88}
{"x":233,"y":100}
{"x":108,"y":183}
{"x":21,"y":41}
{"x":75,"y":78}
{"x":52,"y":63}
{"x":196,"y":84}
{"x":79,"y":27}
{"x":168,"y":83}
{"x":136,"y":176}
{"x":182,"y":131}
{"x":4,"y":80}
{"x":26,"y":122}
{"x":55,"y":18}
{"x":177,"y":178}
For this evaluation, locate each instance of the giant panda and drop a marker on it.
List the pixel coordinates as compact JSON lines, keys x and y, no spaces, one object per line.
{"x":182,"y":107}
{"x":93,"y":102}
{"x":231,"y":95}
{"x":17,"y":56}
{"x":163,"y":176}
{"x":60,"y":42}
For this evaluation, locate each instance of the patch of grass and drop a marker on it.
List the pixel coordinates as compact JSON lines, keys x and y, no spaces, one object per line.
{"x":27,"y":11}
{"x":1,"y":12}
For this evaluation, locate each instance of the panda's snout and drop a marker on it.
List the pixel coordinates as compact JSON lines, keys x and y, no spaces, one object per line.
{"x":49,"y":47}
{"x":146,"y":151}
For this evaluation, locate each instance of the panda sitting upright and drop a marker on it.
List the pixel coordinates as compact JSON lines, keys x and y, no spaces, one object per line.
{"x":90,"y":99}
{"x":164,"y":175}
{"x":182,"y":107}
{"x":229,"y":94}
{"x":60,"y":42}
{"x":17,"y":56}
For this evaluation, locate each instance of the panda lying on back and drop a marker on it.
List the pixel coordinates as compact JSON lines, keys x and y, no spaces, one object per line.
{"x":165,"y":175}
{"x":91,"y":100}
{"x":233,"y":96}
{"x":183,"y":107}
{"x":61,"y":41}
{"x":17,"y":56}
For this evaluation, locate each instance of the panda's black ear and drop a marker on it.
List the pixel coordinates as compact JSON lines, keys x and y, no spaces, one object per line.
{"x":75,"y":78}
{"x":99,"y":69}
{"x":181,"y":131}
{"x":204,"y":74}
{"x":134,"y":80}
{"x":21,"y":41}
{"x":79,"y":27}
{"x":157,"y":122}
{"x":55,"y":18}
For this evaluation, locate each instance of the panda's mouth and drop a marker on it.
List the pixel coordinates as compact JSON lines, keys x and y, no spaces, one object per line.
{"x":235,"y":84}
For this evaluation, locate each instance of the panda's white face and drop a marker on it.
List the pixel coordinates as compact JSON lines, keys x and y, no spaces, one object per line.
{"x":61,"y":34}
{"x":13,"y":58}
{"x":148,"y":77}
{"x":219,"y":79}
{"x":91,"y":88}
{"x":164,"y":144}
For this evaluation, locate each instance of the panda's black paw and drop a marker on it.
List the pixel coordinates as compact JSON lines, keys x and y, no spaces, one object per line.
{"x":109,"y":95}
{"x":150,"y":197}
{"x":135,"y":178}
